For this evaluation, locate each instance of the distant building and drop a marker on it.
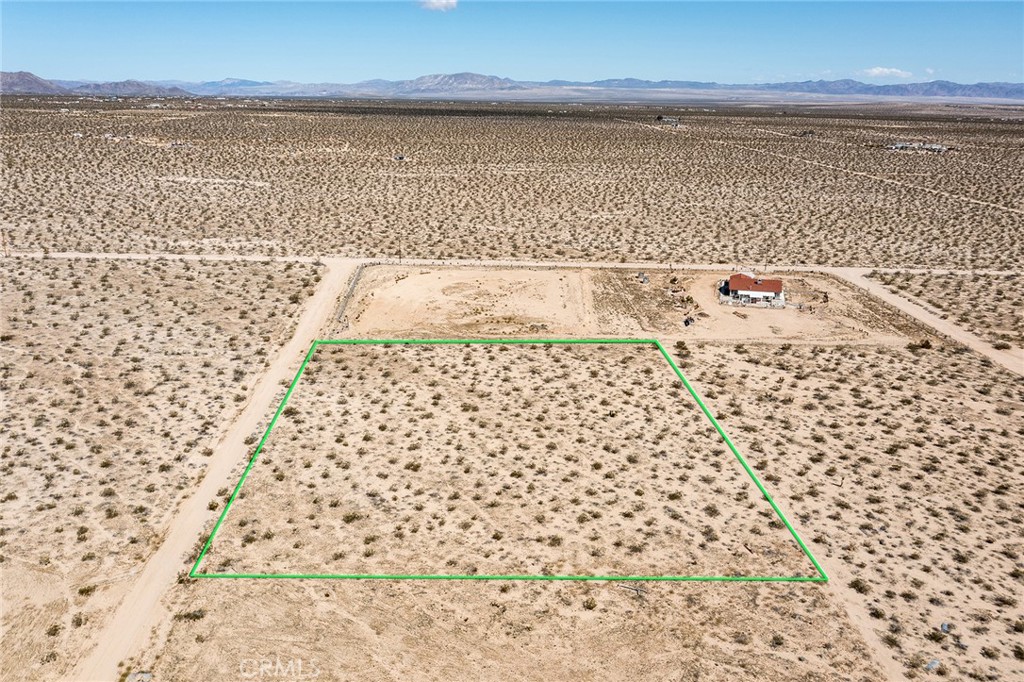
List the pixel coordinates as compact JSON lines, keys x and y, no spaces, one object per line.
{"x":668,"y":119}
{"x":917,"y":146}
{"x":746,"y":289}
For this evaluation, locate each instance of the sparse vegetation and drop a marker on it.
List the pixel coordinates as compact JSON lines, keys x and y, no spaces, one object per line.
{"x":98,"y":357}
{"x":230,"y":192}
{"x":989,"y":305}
{"x":891,"y":450}
{"x":528,"y":504}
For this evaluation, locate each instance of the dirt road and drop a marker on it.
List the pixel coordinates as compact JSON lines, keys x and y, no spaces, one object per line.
{"x":506,"y":263}
{"x":1012,"y":359}
{"x":140,"y":611}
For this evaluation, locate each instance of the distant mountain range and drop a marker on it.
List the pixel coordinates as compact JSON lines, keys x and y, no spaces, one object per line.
{"x":25,"y":83}
{"x":477,"y":86}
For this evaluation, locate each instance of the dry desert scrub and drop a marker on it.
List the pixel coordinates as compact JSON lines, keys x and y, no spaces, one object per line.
{"x":499,"y":460}
{"x":991,"y":306}
{"x":903,"y":470}
{"x":504,"y":459}
{"x":510,"y":182}
{"x":116,"y":377}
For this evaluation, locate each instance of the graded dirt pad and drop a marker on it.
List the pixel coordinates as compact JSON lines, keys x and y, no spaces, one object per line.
{"x":902,"y":469}
{"x":116,"y":378}
{"x":399,"y":301}
{"x":514,"y":181}
{"x":464,"y":302}
{"x":397,"y":460}
{"x":991,"y":306}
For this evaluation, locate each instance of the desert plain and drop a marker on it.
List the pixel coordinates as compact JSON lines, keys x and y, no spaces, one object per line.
{"x":168,"y":268}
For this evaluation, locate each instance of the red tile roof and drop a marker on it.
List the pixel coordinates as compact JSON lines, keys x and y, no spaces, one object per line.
{"x":745,"y":283}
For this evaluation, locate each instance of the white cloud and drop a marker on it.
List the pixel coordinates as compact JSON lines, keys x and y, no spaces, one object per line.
{"x":885,"y":72}
{"x":930,"y":72}
{"x":439,"y":5}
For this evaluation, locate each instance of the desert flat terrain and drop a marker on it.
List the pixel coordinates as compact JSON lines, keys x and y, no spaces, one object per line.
{"x":166,"y":269}
{"x":398,"y":460}
{"x":396,"y":301}
{"x":913,"y":457}
{"x":857,"y":432}
{"x":533,"y":181}
{"x":117,"y":376}
{"x":492,"y":631}
{"x":988,"y":305}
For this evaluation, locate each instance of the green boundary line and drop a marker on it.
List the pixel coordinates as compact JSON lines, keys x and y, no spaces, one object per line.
{"x":822,"y":577}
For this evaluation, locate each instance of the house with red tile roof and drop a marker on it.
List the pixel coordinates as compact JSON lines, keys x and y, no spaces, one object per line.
{"x":744,"y":288}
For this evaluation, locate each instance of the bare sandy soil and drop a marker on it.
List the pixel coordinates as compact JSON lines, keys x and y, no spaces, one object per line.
{"x":116,"y":376}
{"x":500,"y":631}
{"x":134,"y":391}
{"x":864,"y":441}
{"x":419,"y":302}
{"x":903,"y":468}
{"x":499,"y":460}
{"x":513,"y":181}
{"x":991,"y":306}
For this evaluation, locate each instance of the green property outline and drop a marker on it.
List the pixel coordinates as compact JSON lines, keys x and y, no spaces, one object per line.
{"x":822,"y":577}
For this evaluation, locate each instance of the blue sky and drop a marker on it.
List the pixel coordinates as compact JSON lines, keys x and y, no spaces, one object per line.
{"x":737,"y":42}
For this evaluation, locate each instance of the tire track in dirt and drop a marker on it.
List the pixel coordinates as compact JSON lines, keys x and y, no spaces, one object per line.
{"x":140,"y":611}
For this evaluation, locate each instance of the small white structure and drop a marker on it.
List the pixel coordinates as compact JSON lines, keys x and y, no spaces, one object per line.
{"x":917,"y":146}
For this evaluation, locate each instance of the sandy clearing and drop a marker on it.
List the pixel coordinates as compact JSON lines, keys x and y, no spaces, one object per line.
{"x":450,"y":302}
{"x":844,"y":319}
{"x":470,"y":302}
{"x":141,"y":610}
